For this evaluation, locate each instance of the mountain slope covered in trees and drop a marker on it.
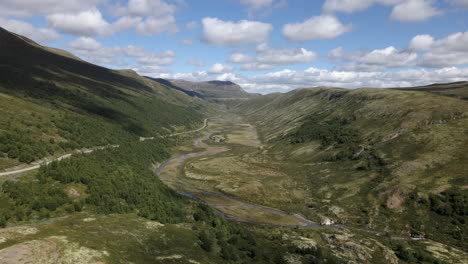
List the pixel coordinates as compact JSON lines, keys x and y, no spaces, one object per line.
{"x":51,"y":102}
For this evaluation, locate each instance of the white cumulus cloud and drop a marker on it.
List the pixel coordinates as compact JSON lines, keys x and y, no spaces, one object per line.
{"x":26,"y":8}
{"x":217,"y":32}
{"x":85,"y":43}
{"x":347,"y":6}
{"x":266,"y":57}
{"x":240,"y":58}
{"x":319,"y":27}
{"x":422,"y":50}
{"x":143,"y":8}
{"x":94,"y":51}
{"x":158,"y":59}
{"x":414,"y":11}
{"x":155,"y":25}
{"x":256,"y":67}
{"x":374,"y":60}
{"x":125,"y":22}
{"x":40,"y":35}
{"x":447,"y":52}
{"x":148,"y":17}
{"x":97,"y":53}
{"x":286,"y":56}
{"x":219,"y":68}
{"x":84,"y":23}
{"x":421,"y":42}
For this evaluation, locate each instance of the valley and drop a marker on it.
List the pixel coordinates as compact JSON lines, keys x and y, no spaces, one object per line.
{"x":108,"y":166}
{"x":228,"y":169}
{"x":207,"y":185}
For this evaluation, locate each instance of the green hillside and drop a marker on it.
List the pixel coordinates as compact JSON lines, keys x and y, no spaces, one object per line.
{"x":391,"y":159}
{"x":51,"y":102}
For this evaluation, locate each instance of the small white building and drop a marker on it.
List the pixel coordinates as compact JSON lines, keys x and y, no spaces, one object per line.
{"x":327,"y":222}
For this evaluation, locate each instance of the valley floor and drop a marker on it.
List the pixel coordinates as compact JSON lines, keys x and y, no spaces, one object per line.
{"x":173,"y":173}
{"x":227,"y":168}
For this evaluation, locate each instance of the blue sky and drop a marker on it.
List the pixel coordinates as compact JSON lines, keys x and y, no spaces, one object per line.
{"x":264,"y":45}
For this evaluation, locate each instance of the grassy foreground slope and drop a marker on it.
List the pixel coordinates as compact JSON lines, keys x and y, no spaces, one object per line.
{"x":386,"y":159}
{"x":51,"y":102}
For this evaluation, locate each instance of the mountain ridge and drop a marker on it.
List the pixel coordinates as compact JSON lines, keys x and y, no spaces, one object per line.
{"x":210,"y":90}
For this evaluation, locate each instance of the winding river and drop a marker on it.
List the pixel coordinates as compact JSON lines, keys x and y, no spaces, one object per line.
{"x":191,"y":193}
{"x":304,"y":223}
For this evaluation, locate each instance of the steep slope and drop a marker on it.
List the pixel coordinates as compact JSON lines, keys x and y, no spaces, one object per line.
{"x":212,"y":90}
{"x":51,"y":101}
{"x":390,"y":159}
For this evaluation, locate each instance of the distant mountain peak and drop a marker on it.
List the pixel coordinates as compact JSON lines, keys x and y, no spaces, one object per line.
{"x":214,"y":89}
{"x":217,"y":82}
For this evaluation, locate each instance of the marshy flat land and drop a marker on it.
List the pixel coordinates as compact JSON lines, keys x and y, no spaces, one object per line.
{"x":223,"y":169}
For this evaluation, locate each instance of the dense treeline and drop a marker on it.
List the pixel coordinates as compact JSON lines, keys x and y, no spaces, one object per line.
{"x":27,"y":200}
{"x":75,"y":131}
{"x":450,"y":203}
{"x":453,"y":205}
{"x":82,"y":132}
{"x":117,"y":180}
{"x":338,"y":133}
{"x":18,"y":145}
{"x":415,"y":255}
{"x":334,"y":131}
{"x":449,"y":208}
{"x":78,"y":131}
{"x":236,"y":244}
{"x":231,"y":241}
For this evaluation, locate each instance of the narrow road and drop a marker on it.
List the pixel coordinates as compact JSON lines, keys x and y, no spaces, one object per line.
{"x":46,"y":161}
{"x":35,"y":166}
{"x":205,"y":123}
{"x":38,"y":164}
